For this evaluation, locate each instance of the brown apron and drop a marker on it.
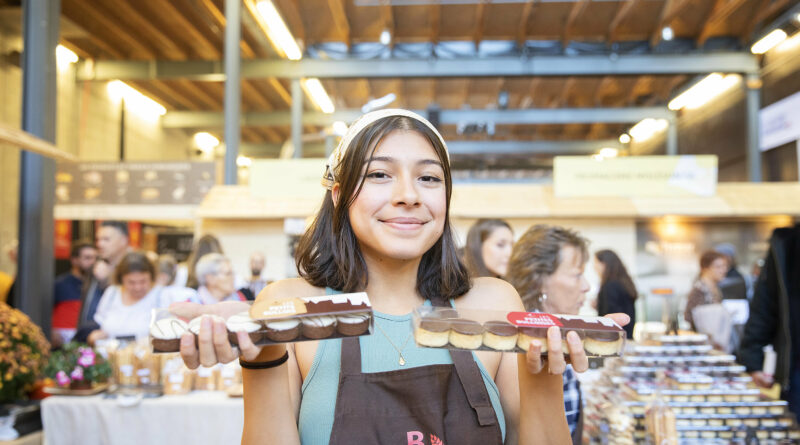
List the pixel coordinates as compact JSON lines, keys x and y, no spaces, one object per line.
{"x":428,"y":405}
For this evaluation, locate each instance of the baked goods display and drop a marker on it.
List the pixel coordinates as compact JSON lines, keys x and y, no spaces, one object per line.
{"x":472,"y":329}
{"x":277,"y":321}
{"x":708,"y":397}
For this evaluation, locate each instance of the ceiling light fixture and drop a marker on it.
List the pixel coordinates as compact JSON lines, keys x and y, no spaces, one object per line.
{"x":608,"y":152}
{"x":667,"y":33}
{"x":135,"y":101}
{"x":318,"y":95}
{"x":647,"y":128}
{"x":378,"y":103}
{"x":205,"y":141}
{"x":243,"y":161}
{"x":339,"y":128}
{"x":624,"y":138}
{"x":386,"y":37}
{"x":768,"y":42}
{"x":277,"y":31}
{"x":712,"y":86}
{"x":65,"y":57}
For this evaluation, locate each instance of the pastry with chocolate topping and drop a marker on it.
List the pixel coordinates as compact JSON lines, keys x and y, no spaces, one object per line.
{"x":500,"y":335}
{"x":528,"y":334}
{"x":432,"y":331}
{"x":282,"y":330}
{"x":243,"y":322}
{"x":166,"y":334}
{"x":352,"y":324}
{"x":465,"y":334}
{"x":602,"y":343}
{"x":319,"y":327}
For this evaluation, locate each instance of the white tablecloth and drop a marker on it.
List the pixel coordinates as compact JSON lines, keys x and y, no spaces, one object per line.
{"x":197,"y":418}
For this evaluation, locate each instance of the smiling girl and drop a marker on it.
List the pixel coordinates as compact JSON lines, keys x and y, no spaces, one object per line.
{"x":384,"y":228}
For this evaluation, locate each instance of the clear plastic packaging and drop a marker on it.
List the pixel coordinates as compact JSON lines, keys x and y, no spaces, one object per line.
{"x":486,"y":330}
{"x":271,"y":322}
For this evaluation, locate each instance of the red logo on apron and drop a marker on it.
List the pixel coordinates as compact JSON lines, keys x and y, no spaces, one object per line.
{"x":533,"y":319}
{"x":418,"y":438}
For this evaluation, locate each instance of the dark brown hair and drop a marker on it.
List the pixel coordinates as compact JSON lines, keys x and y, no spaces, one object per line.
{"x":709,"y":257}
{"x":536,"y":256}
{"x":473,"y":256}
{"x":328,"y":254}
{"x":614,"y":270}
{"x":78,"y":246}
{"x":134,"y":262}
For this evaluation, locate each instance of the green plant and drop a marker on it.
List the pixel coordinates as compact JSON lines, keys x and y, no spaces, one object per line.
{"x":77,"y":363}
{"x":23,"y":354}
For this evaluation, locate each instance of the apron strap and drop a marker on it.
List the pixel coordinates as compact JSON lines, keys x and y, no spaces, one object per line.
{"x":351,"y":356}
{"x":471,"y":381}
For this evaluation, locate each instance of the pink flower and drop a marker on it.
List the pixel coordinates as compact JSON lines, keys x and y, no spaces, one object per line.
{"x":62,"y":379}
{"x":77,"y":374}
{"x":86,"y":360}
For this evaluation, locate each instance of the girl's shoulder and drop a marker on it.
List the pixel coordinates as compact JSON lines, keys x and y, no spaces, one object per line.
{"x":492,"y":294}
{"x":290,"y":288}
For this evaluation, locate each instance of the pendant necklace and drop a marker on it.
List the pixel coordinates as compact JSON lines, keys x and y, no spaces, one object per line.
{"x":401,"y":360}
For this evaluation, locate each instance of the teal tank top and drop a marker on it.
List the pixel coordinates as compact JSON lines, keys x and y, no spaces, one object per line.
{"x":318,"y":399}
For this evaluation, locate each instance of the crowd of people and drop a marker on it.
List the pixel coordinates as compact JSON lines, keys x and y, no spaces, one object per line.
{"x":111,"y":288}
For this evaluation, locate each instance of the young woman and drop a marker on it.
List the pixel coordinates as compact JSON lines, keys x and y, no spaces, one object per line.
{"x":713,"y":267}
{"x":383,"y":228}
{"x":617,"y":291}
{"x":488,"y":248}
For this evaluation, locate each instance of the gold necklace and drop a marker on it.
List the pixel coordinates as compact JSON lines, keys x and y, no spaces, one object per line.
{"x":401,"y":360}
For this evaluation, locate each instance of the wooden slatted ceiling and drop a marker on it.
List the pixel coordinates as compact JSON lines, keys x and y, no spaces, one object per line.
{"x":194,"y":29}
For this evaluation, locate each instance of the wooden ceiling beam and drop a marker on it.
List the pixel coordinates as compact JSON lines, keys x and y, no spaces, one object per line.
{"x":186,"y":101}
{"x":165,"y":44}
{"x":98,"y":24}
{"x":574,"y":13}
{"x":566,"y":92}
{"x":209,"y":101}
{"x":253,"y":31}
{"x":766,"y":9}
{"x":435,"y":18}
{"x":219,"y":18}
{"x":77,"y":48}
{"x":622,"y":12}
{"x":480,"y":23}
{"x":339,"y":15}
{"x":721,"y":11}
{"x":207,"y":48}
{"x":608,"y":83}
{"x":169,"y":100}
{"x":285,"y":96}
{"x":524,"y":18}
{"x":670,"y":10}
{"x":294,"y":19}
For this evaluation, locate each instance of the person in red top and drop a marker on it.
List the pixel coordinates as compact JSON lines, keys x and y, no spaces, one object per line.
{"x":67,"y":293}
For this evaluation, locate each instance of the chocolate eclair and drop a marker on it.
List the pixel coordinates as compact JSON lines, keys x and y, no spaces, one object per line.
{"x":500,"y":335}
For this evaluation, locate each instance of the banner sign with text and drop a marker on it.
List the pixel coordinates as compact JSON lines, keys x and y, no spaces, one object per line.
{"x":635,"y":176}
{"x":150,"y":183}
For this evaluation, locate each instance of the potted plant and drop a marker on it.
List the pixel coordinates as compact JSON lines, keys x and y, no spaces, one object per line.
{"x":23,"y":356}
{"x":77,"y":366}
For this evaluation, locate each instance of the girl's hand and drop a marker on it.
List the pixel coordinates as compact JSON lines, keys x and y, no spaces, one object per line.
{"x":212,"y":345}
{"x":555,"y":362}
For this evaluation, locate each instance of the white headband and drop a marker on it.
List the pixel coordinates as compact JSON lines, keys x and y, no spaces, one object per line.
{"x":329,"y":178}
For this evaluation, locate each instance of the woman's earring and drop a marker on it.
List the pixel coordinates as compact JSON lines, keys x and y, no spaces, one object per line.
{"x":542,"y":297}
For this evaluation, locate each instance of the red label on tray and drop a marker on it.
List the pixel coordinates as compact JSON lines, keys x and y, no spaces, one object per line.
{"x":533,"y":319}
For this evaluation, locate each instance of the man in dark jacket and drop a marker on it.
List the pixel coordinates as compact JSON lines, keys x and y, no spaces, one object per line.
{"x":776,"y":301}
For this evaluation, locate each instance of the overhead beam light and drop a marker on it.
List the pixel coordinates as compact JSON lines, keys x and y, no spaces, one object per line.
{"x":243,"y":161}
{"x":277,"y":31}
{"x":768,"y":42}
{"x":318,"y":95}
{"x":704,"y":91}
{"x":386,"y":37}
{"x":667,"y":34}
{"x":624,"y":138}
{"x":647,"y":128}
{"x":65,"y":57}
{"x":205,"y":141}
{"x":135,"y":101}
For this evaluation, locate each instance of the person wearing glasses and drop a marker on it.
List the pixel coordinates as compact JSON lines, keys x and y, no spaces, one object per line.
{"x":216,"y":278}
